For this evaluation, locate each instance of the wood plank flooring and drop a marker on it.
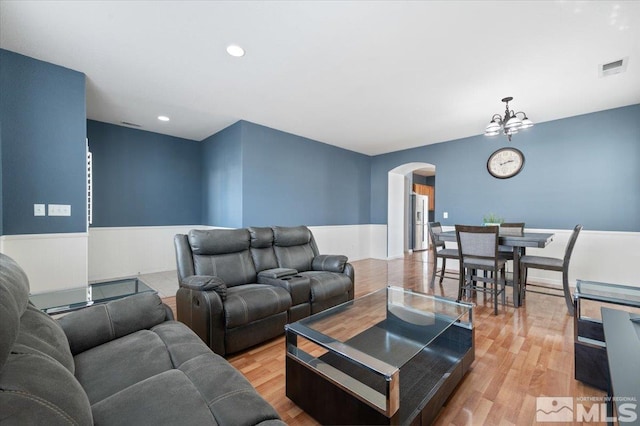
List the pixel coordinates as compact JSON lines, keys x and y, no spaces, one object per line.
{"x":520,"y":354}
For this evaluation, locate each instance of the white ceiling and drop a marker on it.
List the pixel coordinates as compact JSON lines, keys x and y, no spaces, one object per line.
{"x":369,"y":76}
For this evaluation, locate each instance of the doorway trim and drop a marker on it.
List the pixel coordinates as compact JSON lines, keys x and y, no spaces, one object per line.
{"x":398,"y":191}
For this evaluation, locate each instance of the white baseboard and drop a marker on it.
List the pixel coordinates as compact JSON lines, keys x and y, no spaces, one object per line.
{"x":51,"y":261}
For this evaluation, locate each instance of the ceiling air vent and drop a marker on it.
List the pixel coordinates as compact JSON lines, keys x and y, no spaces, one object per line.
{"x":127,"y":123}
{"x":615,"y":67}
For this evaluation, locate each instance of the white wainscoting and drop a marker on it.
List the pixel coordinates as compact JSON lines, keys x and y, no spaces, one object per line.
{"x":58,"y":261}
{"x":51,"y":261}
{"x":354,"y":241}
{"x":598,"y":256}
{"x":129,"y":251}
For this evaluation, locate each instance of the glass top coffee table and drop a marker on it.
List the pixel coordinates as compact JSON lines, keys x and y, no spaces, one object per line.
{"x":63,"y":301}
{"x":390,"y":357}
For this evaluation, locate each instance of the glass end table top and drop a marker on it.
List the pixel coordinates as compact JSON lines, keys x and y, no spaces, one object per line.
{"x":61,"y":301}
{"x":384,"y":329}
{"x":606,"y":292}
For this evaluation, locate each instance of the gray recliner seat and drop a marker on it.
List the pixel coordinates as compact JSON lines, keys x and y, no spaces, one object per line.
{"x":219,"y":295}
{"x":331,"y":277}
{"x":123,"y":362}
{"x":239,"y":287}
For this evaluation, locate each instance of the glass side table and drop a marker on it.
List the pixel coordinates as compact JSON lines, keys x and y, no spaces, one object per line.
{"x":63,"y":301}
{"x":590,"y":352}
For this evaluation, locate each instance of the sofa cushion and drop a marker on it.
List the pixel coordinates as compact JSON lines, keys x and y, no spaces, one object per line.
{"x":253,"y":302}
{"x":154,"y":401}
{"x":261,"y":237}
{"x":123,"y":362}
{"x":43,"y":335}
{"x":112,"y":320}
{"x":211,"y":390}
{"x":232,"y":268}
{"x":287,"y":236}
{"x":35,"y":389}
{"x":218,"y":241}
{"x":14,"y":298}
{"x":295,"y":257}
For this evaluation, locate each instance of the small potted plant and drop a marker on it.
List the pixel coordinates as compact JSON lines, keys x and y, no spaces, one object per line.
{"x":492,"y":219}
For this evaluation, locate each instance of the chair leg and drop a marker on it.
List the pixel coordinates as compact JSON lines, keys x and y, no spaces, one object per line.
{"x":567,"y":292}
{"x":504,"y":288}
{"x":444,"y":266}
{"x":495,"y":294}
{"x":523,"y":281}
{"x":461,"y":282}
{"x":433,"y":269}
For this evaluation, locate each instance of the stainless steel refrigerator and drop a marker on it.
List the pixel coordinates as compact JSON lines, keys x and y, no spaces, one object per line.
{"x":420,"y":222}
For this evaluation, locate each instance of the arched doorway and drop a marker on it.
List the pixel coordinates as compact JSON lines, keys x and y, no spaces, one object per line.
{"x":398,"y":206}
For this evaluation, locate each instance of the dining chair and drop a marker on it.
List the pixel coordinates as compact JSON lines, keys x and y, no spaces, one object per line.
{"x":510,"y":229}
{"x":551,"y":264}
{"x":478,"y":251}
{"x":444,"y":253}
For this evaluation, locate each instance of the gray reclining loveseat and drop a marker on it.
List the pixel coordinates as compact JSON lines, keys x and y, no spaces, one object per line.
{"x":121,"y":363}
{"x":239,"y":287}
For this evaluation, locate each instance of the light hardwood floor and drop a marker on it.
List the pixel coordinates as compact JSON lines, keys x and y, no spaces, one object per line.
{"x":520,"y":354}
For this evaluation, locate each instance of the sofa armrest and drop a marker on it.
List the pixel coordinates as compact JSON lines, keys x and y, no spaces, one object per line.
{"x":329,"y":262}
{"x":277,"y":273}
{"x":99,"y":324}
{"x":206,"y":283}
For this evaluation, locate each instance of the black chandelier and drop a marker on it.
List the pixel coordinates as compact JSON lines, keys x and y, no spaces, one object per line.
{"x":510,"y":124}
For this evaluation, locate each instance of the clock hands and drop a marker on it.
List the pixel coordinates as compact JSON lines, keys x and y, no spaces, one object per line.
{"x":509,"y":161}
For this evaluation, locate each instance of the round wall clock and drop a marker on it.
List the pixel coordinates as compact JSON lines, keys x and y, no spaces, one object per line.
{"x":505,"y":163}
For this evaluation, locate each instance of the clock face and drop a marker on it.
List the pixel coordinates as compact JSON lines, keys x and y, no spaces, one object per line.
{"x":505,"y":163}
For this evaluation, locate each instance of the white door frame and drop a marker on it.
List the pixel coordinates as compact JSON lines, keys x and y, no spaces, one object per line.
{"x":398,"y":199}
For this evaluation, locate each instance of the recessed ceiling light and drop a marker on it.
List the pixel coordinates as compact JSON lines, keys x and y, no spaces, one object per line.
{"x":163,"y":118}
{"x":235,"y":50}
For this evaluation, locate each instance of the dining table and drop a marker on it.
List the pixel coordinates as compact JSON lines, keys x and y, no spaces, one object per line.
{"x":527,"y":239}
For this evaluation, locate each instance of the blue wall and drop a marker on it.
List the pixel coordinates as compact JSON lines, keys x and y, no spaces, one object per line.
{"x":142,"y":178}
{"x":290,"y":180}
{"x":581,"y":169}
{"x":222,"y":177}
{"x":43,"y":133}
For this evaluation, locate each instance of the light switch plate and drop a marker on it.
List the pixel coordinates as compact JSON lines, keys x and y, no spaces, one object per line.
{"x":59,"y":210}
{"x":445,"y":215}
{"x":39,"y":210}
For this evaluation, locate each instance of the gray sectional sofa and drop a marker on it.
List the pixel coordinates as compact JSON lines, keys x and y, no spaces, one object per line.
{"x":239,"y":287}
{"x":125,"y":362}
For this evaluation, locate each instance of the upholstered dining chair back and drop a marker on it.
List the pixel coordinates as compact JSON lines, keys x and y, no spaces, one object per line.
{"x":477,"y":241}
{"x":435,"y":228}
{"x":478,"y":250}
{"x":512,"y":229}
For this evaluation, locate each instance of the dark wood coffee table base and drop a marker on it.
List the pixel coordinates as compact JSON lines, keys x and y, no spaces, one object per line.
{"x":426,"y":382}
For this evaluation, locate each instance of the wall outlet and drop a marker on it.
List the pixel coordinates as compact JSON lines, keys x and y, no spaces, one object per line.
{"x":38,"y":210}
{"x":445,"y":215}
{"x":59,"y":210}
